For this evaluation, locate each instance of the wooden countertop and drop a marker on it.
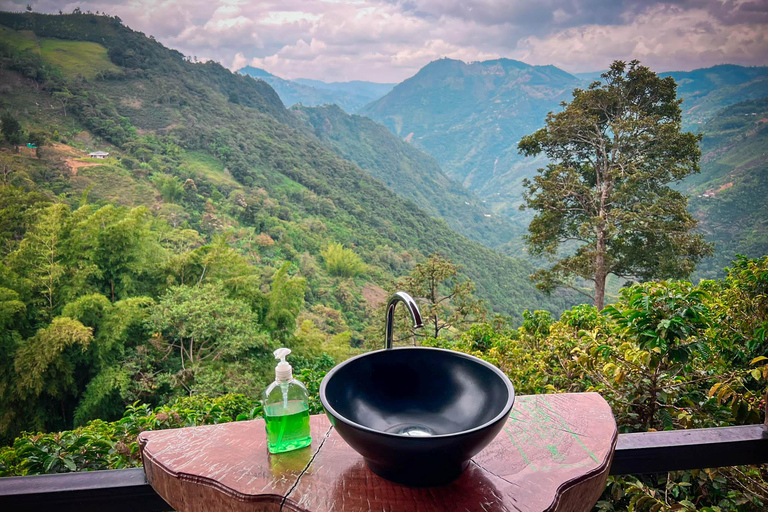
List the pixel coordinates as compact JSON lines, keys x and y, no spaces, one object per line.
{"x":553,"y":454}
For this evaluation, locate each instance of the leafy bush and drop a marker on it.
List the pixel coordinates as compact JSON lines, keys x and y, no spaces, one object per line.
{"x":667,"y":355}
{"x":113,"y":445}
{"x":342,"y":262}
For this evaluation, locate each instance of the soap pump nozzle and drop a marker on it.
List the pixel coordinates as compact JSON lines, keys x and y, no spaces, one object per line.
{"x":283,"y":370}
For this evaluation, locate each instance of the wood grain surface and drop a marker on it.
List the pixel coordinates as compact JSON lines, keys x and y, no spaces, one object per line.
{"x":553,"y":454}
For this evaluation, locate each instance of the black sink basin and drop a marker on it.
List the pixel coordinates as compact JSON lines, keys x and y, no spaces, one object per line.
{"x":417,"y":415}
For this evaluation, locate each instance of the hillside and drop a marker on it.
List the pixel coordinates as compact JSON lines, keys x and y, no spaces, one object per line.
{"x":408,"y":172}
{"x":729,"y":196}
{"x":172,"y":121}
{"x":706,"y":91}
{"x":350,"y":96}
{"x":470,"y":118}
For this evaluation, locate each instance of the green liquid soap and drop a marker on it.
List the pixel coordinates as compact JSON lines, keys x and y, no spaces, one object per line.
{"x":287,"y":426}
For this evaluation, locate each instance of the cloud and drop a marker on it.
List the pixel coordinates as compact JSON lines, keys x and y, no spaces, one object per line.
{"x":389,"y":40}
{"x":664,"y":37}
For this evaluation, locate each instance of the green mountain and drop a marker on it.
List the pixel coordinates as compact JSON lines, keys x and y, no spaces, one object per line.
{"x":410,"y":173}
{"x":706,"y":91}
{"x":729,"y":196}
{"x":348,"y":95}
{"x":470,"y":118}
{"x":218,"y":151}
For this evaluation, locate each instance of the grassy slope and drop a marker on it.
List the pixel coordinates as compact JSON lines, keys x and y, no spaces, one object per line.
{"x":71,"y":57}
{"x":208,"y":110}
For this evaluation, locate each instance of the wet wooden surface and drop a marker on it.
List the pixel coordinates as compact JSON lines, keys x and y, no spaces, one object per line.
{"x":553,"y":454}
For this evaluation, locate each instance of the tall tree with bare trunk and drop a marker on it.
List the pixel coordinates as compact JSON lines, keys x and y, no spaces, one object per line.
{"x":604,"y":204}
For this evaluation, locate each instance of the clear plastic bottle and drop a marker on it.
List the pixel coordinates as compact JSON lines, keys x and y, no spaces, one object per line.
{"x":286,"y":409}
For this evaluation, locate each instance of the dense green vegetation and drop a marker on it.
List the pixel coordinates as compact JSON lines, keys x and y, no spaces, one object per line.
{"x":182,"y":107}
{"x":666,"y":355}
{"x":218,"y":228}
{"x":407,"y":171}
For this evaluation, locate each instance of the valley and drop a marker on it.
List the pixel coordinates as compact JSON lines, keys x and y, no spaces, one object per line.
{"x":167,"y":223}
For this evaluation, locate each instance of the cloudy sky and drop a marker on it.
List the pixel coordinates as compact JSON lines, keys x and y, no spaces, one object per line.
{"x":389,"y":40}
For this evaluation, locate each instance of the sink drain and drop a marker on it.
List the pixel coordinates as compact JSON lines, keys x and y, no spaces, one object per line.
{"x":411,"y":430}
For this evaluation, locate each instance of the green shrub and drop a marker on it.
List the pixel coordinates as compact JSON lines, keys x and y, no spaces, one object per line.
{"x":112,"y":445}
{"x":342,"y":262}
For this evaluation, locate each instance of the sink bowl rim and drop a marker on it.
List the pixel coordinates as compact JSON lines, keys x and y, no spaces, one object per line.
{"x":339,"y":417}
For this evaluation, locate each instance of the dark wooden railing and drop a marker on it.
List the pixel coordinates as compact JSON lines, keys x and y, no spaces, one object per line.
{"x":124,"y":490}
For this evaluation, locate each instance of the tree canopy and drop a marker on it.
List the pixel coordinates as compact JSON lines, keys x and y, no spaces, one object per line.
{"x":447,"y":302}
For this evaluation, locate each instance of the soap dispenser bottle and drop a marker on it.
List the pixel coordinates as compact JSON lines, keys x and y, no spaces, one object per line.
{"x":286,"y":409}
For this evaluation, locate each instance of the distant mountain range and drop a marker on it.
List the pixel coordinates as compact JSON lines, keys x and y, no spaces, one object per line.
{"x":707,"y":91}
{"x":470,"y":117}
{"x":350,"y":96}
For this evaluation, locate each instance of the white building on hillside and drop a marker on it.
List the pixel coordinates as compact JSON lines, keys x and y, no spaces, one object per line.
{"x":98,"y":154}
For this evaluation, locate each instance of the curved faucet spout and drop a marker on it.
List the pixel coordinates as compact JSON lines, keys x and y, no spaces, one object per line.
{"x":413,"y":309}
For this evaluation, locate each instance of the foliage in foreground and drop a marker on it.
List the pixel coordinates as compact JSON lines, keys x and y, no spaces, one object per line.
{"x":667,"y":355}
{"x":113,"y":445}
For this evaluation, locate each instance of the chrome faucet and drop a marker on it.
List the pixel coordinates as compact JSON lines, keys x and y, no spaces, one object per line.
{"x":413,"y":309}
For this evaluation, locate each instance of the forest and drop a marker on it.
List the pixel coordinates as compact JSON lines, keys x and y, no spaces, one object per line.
{"x":147,"y":290}
{"x":666,"y":355}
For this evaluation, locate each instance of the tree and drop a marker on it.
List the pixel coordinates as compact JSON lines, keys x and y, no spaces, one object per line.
{"x":286,"y":298}
{"x":124,"y":246}
{"x":39,"y":257}
{"x":8,"y":169}
{"x":47,"y":367}
{"x":613,"y":152}
{"x":447,"y":302}
{"x":38,"y":139}
{"x":342,"y":262}
{"x":11,"y":129}
{"x":202,"y":325}
{"x":119,"y":330}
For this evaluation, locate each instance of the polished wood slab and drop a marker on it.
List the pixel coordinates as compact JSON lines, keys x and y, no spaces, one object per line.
{"x":553,"y":454}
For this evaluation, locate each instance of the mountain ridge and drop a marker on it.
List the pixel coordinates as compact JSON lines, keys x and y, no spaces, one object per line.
{"x":408,"y":172}
{"x":350,"y":96}
{"x":469,"y":116}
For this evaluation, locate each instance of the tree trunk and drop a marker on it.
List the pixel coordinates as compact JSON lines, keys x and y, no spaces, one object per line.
{"x":600,"y":273}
